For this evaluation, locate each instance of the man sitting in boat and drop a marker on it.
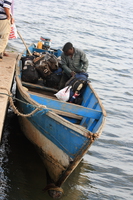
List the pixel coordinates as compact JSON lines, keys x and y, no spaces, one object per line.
{"x":73,"y":61}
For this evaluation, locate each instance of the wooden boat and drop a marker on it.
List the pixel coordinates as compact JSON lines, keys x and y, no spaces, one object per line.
{"x":62,"y":132}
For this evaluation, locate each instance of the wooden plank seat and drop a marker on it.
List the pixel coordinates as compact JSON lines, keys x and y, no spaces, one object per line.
{"x":65,"y":108}
{"x":37,"y":86}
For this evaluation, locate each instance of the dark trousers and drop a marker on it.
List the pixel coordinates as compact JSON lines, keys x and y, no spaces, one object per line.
{"x":63,"y":81}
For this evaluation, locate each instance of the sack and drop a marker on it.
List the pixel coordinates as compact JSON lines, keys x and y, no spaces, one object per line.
{"x":63,"y":94}
{"x":13,"y":32}
{"x":43,"y":70}
{"x":53,"y":80}
{"x":29,"y":74}
{"x":82,"y":76}
{"x":58,"y":71}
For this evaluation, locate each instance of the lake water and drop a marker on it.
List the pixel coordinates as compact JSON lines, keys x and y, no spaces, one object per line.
{"x":104,"y":30}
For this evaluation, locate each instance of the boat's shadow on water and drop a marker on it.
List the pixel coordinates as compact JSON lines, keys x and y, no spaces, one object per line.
{"x":24,"y":174}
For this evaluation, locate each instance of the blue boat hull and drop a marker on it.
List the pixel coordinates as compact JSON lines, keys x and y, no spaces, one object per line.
{"x":61,"y":131}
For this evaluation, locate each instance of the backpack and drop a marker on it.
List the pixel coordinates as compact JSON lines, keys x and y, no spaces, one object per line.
{"x":51,"y":60}
{"x":77,"y":83}
{"x":43,"y":69}
{"x":45,"y":65}
{"x":28,"y":60}
{"x":29,"y":74}
{"x":53,"y":80}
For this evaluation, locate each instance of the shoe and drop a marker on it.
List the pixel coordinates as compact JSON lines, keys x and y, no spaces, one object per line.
{"x":1,"y":57}
{"x":5,"y":54}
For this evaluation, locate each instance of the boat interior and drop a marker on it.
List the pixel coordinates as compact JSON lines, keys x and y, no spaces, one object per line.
{"x":88,"y":114}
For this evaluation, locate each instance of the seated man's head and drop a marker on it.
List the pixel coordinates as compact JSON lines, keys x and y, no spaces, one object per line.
{"x":68,"y":49}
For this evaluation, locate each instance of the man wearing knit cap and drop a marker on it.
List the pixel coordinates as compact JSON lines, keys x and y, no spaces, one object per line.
{"x":73,"y":61}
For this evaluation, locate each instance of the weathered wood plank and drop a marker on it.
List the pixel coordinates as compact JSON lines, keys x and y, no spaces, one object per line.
{"x":66,"y":114}
{"x":7,"y":69}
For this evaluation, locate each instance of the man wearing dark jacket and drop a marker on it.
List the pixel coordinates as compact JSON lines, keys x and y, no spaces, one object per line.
{"x":73,"y":61}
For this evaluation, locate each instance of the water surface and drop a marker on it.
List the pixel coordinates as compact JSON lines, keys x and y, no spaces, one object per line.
{"x":103,"y":29}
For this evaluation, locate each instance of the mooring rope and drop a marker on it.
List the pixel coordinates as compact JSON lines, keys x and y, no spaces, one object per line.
{"x":16,"y":111}
{"x":92,"y":136}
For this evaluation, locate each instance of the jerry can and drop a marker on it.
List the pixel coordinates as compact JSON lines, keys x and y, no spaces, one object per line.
{"x":39,"y":45}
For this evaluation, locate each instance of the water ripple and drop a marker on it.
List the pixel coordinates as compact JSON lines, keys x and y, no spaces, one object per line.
{"x":103,"y":29}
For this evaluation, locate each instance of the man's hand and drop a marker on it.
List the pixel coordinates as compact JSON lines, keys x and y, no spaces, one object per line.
{"x":12,"y":20}
{"x":73,"y":73}
{"x":8,"y":14}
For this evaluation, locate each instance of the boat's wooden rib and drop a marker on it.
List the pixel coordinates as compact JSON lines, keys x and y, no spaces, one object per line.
{"x":66,"y":114}
{"x":40,"y":87}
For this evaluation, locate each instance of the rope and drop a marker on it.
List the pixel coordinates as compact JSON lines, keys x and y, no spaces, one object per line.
{"x":16,"y":111}
{"x":93,"y":136}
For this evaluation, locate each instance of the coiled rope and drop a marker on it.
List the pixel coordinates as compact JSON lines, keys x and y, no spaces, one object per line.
{"x":16,"y":111}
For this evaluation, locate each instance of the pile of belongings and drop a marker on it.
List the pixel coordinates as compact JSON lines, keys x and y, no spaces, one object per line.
{"x":45,"y":66}
{"x":74,"y":88}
